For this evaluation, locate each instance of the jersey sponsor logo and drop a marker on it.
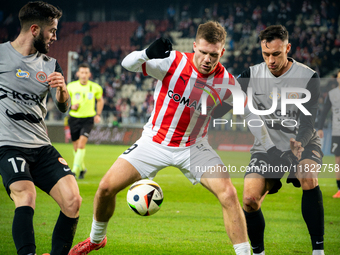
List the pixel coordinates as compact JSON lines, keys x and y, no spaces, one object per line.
{"x":316,"y":153}
{"x":22,"y":116}
{"x":20,"y":97}
{"x":22,"y":74}
{"x":185,"y":101}
{"x":289,"y":113}
{"x":62,"y":161}
{"x":41,"y":76}
{"x":194,"y":103}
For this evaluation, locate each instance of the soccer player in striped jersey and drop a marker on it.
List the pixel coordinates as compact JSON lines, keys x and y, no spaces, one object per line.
{"x":333,"y":101}
{"x":285,"y":128}
{"x":27,"y":157}
{"x":176,"y":133}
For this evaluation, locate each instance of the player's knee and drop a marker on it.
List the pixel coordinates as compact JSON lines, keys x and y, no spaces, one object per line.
{"x":308,"y":183}
{"x":106,"y":189}
{"x":228,"y":195}
{"x":24,"y":198}
{"x":71,"y":206}
{"x":251,"y":203}
{"x":76,"y":203}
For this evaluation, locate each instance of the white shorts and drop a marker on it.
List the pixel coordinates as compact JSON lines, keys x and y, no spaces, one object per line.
{"x":149,"y":157}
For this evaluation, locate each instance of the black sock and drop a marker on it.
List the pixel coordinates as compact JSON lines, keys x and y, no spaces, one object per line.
{"x":255,"y":226}
{"x":63,"y":234}
{"x":313,"y":214}
{"x":22,"y":230}
{"x":338,"y":183}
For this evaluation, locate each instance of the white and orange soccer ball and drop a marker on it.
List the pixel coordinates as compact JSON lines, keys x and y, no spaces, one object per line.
{"x":145,"y":197}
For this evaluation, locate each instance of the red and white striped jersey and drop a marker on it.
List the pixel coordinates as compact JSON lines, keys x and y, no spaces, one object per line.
{"x":177,"y":119}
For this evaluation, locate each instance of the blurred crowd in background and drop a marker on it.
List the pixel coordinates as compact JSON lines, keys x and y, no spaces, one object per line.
{"x":313,"y":32}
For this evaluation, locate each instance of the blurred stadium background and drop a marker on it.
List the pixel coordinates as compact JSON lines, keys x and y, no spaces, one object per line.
{"x":103,"y":32}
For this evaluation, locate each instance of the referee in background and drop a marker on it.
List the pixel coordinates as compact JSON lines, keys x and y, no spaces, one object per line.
{"x":87,"y":105}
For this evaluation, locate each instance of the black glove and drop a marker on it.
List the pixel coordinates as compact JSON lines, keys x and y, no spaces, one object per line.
{"x":292,"y":179}
{"x":159,"y":49}
{"x":286,"y":158}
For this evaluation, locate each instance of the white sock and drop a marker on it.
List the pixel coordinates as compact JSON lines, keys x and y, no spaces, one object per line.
{"x":98,"y":231}
{"x":318,"y":252}
{"x":242,"y":248}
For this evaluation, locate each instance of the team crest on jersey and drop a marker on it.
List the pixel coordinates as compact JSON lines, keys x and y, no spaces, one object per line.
{"x":293,"y":95}
{"x":41,"y":76}
{"x":316,"y":153}
{"x":271,"y":95}
{"x":90,"y":96}
{"x":62,"y":161}
{"x":22,"y":74}
{"x":77,"y":96}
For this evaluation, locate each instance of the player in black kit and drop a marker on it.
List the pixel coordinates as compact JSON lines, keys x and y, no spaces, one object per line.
{"x":27,"y":158}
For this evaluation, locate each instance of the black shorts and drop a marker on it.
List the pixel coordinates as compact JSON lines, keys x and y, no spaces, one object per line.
{"x":260,"y":163}
{"x":44,"y":166}
{"x":335,"y":149}
{"x":80,"y":126}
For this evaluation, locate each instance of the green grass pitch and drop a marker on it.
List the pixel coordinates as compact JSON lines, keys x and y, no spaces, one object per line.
{"x":190,"y":220}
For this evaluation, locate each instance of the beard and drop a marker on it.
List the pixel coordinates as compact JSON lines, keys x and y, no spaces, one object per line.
{"x":39,"y":44}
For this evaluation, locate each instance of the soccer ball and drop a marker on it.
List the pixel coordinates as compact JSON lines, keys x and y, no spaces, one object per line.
{"x":145,"y":197}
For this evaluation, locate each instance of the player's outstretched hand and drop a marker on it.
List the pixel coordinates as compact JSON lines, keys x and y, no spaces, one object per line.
{"x":286,"y":158}
{"x":296,"y":148}
{"x":159,"y":49}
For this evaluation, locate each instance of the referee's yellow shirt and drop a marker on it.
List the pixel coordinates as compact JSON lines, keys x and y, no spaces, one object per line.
{"x":85,"y":96}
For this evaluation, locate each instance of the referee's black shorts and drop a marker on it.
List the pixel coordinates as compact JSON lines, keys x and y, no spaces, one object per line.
{"x":80,"y":126}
